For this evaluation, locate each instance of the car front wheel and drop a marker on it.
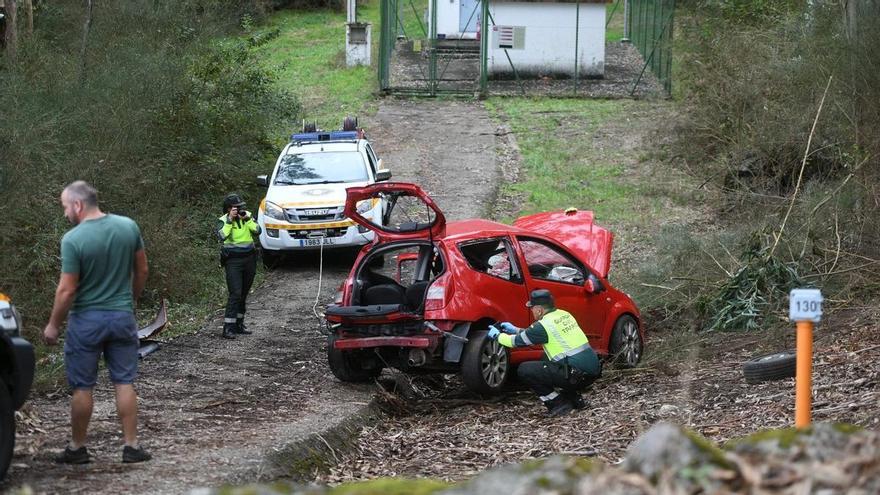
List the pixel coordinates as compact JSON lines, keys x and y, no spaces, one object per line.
{"x":7,"y":429}
{"x":626,"y":342}
{"x":349,"y":366}
{"x":485,"y":366}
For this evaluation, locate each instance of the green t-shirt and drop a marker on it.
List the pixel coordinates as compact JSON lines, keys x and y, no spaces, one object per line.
{"x":102,"y":252}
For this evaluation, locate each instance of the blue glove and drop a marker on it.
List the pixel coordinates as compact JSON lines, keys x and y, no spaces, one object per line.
{"x":509,"y":327}
{"x":493,"y":333}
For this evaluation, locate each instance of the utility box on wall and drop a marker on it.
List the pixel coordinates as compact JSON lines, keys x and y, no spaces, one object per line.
{"x":357,"y":43}
{"x":547,"y":38}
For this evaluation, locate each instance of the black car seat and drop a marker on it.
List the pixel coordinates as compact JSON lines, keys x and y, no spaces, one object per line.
{"x":415,"y":294}
{"x":384,"y":294}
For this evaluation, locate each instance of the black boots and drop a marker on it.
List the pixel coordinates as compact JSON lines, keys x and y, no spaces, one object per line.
{"x":559,"y":406}
{"x":240,"y":328}
{"x":229,"y":330}
{"x":577,"y":401}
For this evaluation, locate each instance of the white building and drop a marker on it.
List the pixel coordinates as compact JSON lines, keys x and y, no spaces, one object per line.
{"x":540,"y":37}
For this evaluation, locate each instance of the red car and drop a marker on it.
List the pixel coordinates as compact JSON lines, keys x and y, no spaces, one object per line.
{"x":420,"y":298}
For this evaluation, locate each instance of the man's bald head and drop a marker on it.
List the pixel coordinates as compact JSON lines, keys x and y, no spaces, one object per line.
{"x":79,"y":199}
{"x":82,"y":191}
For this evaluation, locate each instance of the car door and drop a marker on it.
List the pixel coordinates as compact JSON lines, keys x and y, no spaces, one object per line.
{"x":409,"y":213}
{"x":550,"y":266}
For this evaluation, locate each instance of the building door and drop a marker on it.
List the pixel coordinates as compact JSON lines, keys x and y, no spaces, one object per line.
{"x":468,"y":16}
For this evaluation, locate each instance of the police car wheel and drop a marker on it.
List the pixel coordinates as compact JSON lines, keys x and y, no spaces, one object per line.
{"x":626,"y":342}
{"x":7,"y":429}
{"x":485,"y":364}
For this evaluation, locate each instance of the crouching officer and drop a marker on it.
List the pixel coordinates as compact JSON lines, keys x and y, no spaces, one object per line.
{"x":571,"y":363}
{"x":238,"y":255}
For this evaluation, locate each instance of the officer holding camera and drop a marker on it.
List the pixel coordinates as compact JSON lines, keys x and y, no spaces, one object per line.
{"x":238,"y":255}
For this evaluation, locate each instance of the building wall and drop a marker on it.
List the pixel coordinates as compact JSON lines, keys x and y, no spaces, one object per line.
{"x":550,"y":39}
{"x":448,"y":21}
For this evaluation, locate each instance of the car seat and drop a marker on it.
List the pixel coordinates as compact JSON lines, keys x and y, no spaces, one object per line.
{"x":384,"y":294}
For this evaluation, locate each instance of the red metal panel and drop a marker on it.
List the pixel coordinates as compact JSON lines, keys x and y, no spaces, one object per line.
{"x":366,"y":342}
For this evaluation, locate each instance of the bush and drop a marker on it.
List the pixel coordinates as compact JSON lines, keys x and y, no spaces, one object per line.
{"x":164,"y":115}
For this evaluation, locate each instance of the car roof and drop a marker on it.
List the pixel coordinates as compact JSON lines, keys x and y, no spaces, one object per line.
{"x":463,"y":230}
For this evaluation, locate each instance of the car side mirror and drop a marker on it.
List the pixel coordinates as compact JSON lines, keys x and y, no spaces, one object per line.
{"x":263,"y":180}
{"x":593,"y":285}
{"x":383,"y":175}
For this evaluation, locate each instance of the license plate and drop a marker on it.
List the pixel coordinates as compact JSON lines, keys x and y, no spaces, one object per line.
{"x":322,"y":211}
{"x":317,"y":241}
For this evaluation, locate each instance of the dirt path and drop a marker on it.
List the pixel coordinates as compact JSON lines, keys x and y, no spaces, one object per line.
{"x":213,"y":410}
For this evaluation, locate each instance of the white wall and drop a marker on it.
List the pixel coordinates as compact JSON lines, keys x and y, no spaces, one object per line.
{"x":448,"y":18}
{"x":550,"y":38}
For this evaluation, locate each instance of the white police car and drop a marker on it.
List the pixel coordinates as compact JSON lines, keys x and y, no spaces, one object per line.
{"x":303,"y":208}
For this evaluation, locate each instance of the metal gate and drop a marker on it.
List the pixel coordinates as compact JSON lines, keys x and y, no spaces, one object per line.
{"x":651,"y":27}
{"x":414,"y":58}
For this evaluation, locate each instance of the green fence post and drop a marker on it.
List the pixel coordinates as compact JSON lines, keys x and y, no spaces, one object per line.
{"x":484,"y":48}
{"x":577,"y":28}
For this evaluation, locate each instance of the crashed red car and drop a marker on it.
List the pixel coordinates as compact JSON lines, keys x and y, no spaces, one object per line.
{"x":420,"y":298}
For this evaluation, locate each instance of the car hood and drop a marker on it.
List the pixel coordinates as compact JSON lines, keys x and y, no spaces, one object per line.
{"x":310,"y":195}
{"x":576,"y":231}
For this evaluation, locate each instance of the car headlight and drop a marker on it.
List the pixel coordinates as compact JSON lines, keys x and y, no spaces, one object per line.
{"x":274,"y":211}
{"x":10,"y":320}
{"x":366,"y":205}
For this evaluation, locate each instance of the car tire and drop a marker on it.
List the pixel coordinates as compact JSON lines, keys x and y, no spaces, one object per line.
{"x":270,"y":258}
{"x":626,"y":342}
{"x":7,"y":429}
{"x":485,"y":365}
{"x":347,"y":367}
{"x":775,"y":366}
{"x":350,"y":124}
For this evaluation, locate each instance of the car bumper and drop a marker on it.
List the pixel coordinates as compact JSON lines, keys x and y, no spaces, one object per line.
{"x":24,"y":370}
{"x":369,"y":342}
{"x":291,"y":238}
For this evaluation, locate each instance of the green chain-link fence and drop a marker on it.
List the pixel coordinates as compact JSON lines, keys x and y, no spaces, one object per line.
{"x":650,"y":29}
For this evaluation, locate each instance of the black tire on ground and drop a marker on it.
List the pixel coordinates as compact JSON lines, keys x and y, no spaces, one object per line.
{"x":310,"y":126}
{"x":350,"y":124}
{"x":770,"y":367}
{"x":271,"y":259}
{"x":7,"y":429}
{"x":626,"y":342}
{"x":346,"y":366}
{"x":485,"y":364}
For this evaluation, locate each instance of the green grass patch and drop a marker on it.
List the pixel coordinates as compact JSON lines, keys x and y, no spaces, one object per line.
{"x":563,"y":166}
{"x":308,"y":56}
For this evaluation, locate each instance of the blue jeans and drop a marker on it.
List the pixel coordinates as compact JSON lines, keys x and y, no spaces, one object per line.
{"x":93,"y":332}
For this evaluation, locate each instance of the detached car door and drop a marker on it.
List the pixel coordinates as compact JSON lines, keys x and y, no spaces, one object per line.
{"x":549,"y":266}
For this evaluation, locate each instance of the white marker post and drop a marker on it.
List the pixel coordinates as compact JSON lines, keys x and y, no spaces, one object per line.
{"x":805,"y":309}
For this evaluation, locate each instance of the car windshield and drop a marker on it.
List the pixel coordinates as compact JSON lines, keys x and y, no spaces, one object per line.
{"x":321,"y":168}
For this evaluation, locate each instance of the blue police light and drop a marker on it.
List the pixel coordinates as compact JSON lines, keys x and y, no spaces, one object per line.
{"x":308,"y":137}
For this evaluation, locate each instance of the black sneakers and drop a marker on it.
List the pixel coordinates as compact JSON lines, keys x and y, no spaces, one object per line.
{"x":71,"y":456}
{"x":241,"y":329}
{"x":131,"y":454}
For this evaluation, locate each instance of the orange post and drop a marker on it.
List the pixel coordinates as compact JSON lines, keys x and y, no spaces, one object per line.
{"x":804,"y":377}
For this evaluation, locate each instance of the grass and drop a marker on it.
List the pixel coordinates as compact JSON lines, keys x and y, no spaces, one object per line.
{"x":309,"y":56}
{"x":614,"y":20}
{"x":563,"y":166}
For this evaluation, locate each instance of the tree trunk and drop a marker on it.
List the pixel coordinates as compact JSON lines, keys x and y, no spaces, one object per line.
{"x":11,"y":29}
{"x":87,"y":26}
{"x":29,"y":16}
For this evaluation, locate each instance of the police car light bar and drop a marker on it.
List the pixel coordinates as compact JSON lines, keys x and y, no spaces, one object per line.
{"x":325,"y":136}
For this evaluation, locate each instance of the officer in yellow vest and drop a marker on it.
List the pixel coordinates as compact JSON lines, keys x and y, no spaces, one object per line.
{"x":238,"y":255}
{"x":571,"y":363}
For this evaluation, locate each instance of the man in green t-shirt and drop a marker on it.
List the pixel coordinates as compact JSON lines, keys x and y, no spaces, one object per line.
{"x":103,"y":272}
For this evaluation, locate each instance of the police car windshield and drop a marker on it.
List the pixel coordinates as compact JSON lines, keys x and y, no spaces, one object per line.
{"x":322,"y":168}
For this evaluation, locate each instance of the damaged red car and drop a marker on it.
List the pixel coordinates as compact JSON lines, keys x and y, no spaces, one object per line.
{"x":421,"y":297}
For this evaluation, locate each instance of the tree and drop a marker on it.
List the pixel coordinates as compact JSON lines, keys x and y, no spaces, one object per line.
{"x":11,"y":29}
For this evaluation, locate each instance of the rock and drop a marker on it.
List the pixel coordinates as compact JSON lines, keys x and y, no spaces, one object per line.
{"x":667,"y":448}
{"x":667,"y":410}
{"x":554,"y":475}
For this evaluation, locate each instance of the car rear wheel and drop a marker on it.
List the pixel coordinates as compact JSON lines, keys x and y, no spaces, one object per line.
{"x":626,"y":342}
{"x":485,"y":366}
{"x":349,"y":366}
{"x":7,"y":429}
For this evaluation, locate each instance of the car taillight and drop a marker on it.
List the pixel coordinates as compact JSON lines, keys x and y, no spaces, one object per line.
{"x":439,"y":293}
